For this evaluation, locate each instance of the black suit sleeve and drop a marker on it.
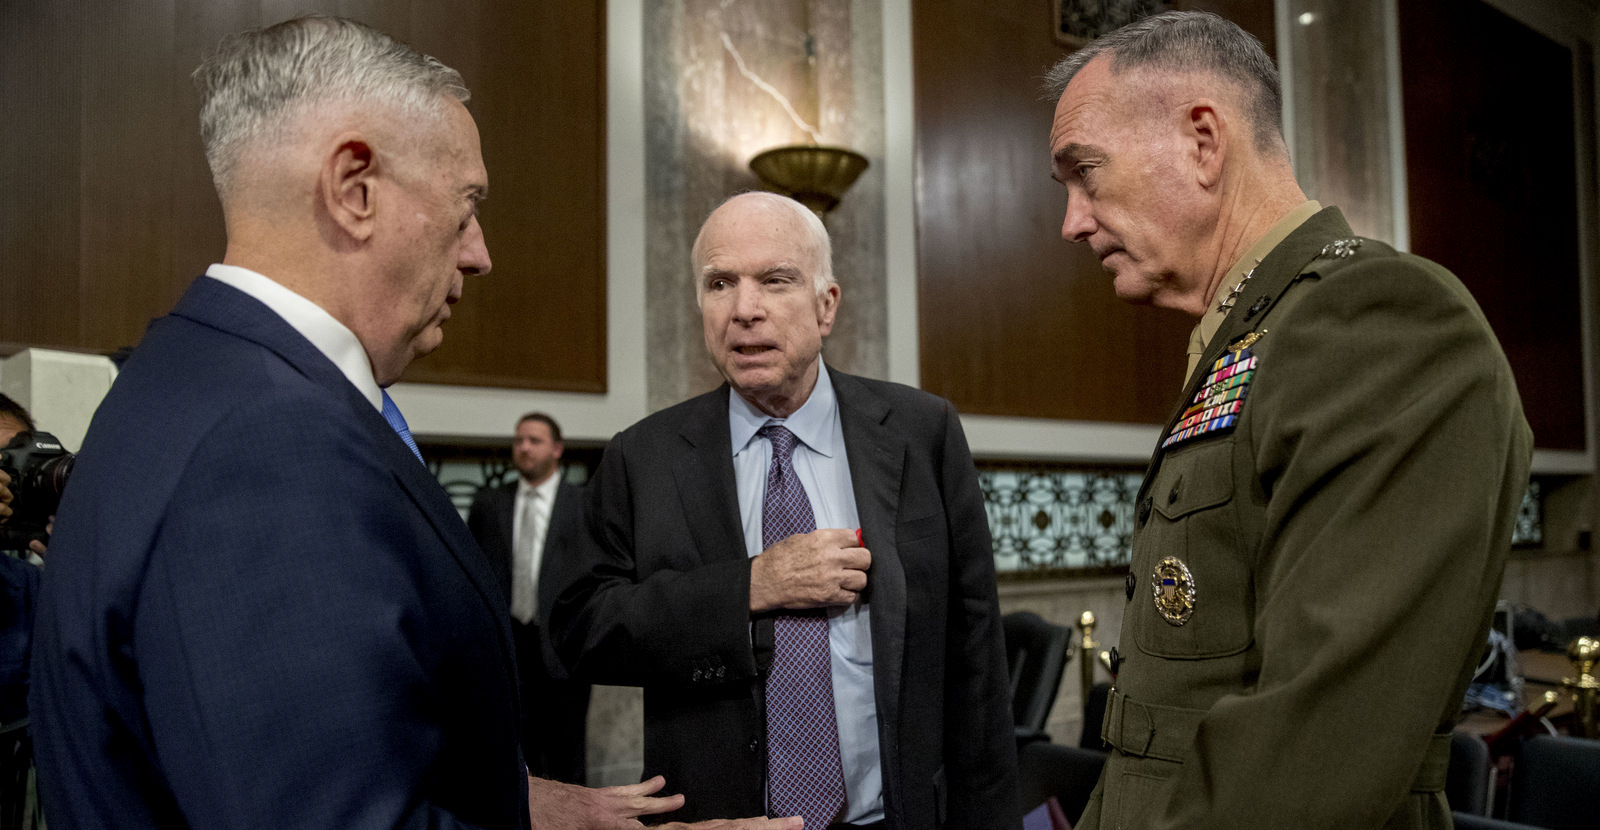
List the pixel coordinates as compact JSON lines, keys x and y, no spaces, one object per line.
{"x":643,"y":606}
{"x":980,"y":751}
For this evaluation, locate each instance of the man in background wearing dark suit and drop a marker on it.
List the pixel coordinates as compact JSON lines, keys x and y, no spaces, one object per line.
{"x":261,"y":610}
{"x":788,"y":663}
{"x":529,"y":529}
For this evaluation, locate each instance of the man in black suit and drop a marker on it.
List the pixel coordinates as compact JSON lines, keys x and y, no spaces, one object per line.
{"x":529,"y":528}
{"x":790,"y":664}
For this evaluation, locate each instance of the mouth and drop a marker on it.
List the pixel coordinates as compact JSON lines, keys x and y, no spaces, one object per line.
{"x":751,"y":351}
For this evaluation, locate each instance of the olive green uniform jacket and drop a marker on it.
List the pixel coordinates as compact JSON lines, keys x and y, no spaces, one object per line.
{"x":1344,"y":541}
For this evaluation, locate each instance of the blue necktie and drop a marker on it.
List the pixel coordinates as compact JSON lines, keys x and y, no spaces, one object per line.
{"x":397,"y":422}
{"x":804,"y":774}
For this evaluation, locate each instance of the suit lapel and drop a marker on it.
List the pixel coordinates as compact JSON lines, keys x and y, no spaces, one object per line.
{"x":877,"y":464}
{"x":704,"y":474}
{"x":225,"y":308}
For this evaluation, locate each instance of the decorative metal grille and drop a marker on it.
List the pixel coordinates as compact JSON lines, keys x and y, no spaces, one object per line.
{"x":1057,"y":517}
{"x":1528,"y":532}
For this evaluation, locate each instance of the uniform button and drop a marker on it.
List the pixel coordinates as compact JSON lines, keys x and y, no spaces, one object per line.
{"x":696,"y":676}
{"x":1172,"y":496}
{"x":1130,"y":583}
{"x":1144,"y":510}
{"x":720,"y":671}
{"x":1256,"y":309}
{"x":1116,"y":660}
{"x":755,"y":744}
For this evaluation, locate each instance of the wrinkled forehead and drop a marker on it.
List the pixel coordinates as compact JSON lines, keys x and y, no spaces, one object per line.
{"x":754,"y":228}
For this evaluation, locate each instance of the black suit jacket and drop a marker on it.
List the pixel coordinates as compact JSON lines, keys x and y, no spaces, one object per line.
{"x":261,"y":611}
{"x":661,"y":600}
{"x":490,"y":521}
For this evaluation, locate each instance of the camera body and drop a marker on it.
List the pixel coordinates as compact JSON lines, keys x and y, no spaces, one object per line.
{"x":39,"y":467}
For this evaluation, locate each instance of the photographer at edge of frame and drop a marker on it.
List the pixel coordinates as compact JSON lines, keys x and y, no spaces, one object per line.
{"x":19,"y":583}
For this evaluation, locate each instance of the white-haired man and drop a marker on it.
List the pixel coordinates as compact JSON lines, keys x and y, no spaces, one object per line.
{"x":261,"y":610}
{"x":791,"y":664}
{"x":1320,"y":537}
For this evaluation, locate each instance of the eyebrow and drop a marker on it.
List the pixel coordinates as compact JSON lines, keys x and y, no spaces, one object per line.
{"x":1071,"y":152}
{"x":783,"y":269}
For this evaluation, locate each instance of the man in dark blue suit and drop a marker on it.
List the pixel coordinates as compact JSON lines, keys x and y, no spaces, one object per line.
{"x":261,"y":610}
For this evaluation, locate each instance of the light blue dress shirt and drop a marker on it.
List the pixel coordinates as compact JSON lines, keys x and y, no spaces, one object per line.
{"x":823,"y":468}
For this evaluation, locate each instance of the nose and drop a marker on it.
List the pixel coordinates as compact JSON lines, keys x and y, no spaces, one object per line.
{"x":1079,"y":224}
{"x":475,"y":252}
{"x":747,"y":305}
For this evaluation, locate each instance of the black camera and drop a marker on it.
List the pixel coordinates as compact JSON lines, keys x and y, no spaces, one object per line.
{"x":38,"y":466}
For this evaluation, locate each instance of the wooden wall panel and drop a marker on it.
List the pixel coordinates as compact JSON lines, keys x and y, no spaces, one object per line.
{"x":538,"y":96}
{"x":1491,"y":172}
{"x":40,"y":145}
{"x":1013,"y":319}
{"x":107,"y":210}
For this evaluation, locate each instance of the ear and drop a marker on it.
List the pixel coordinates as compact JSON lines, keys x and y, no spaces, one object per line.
{"x":827,"y":307}
{"x":346,"y":185}
{"x":1208,"y":130}
{"x":559,"y":448}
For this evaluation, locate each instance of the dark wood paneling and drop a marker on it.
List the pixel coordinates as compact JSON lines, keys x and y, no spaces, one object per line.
{"x":40,"y":144}
{"x":107,"y":210}
{"x":1491,"y":175}
{"x":1013,"y":319}
{"x":539,"y":100}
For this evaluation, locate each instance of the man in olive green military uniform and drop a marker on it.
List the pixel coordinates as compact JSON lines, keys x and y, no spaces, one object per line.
{"x":1321,"y":534}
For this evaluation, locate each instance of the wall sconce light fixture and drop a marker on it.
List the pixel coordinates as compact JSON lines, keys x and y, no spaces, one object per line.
{"x":812,"y":174}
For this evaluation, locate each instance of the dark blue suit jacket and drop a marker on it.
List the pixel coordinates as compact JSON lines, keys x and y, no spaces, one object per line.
{"x":260,"y":610}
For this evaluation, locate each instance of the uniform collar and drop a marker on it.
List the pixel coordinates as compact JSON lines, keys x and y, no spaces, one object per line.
{"x":1212,"y":320}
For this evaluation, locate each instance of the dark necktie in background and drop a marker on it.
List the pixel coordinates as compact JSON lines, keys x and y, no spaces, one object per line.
{"x":804,"y":774}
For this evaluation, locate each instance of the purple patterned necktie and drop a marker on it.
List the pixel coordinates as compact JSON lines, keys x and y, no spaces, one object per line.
{"x":804,"y":774}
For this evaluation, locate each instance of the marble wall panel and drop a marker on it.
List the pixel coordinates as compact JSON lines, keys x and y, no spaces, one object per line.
{"x":725,"y":80}
{"x":1340,"y":123}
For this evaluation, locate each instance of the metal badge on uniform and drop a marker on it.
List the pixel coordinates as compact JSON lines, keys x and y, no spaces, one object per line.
{"x":1174,"y":590}
{"x":1215,"y":408}
{"x":1341,"y":248}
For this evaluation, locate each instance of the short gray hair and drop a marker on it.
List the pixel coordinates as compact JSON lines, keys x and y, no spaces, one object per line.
{"x":256,"y":82}
{"x":816,"y":239}
{"x":1186,"y":42}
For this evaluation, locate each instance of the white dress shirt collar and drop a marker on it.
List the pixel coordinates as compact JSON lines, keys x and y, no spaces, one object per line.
{"x":812,"y":423}
{"x":314,"y":323}
{"x":544,"y":491}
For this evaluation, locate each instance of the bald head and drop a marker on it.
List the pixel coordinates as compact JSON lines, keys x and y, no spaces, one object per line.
{"x":767,"y":298}
{"x":810,"y":237}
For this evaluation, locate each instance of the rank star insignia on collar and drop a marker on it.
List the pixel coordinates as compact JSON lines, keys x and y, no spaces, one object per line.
{"x":1173,"y":585}
{"x":1233,"y":296}
{"x":1341,"y":248}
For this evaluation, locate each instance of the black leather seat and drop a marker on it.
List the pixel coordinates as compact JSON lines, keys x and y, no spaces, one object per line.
{"x":1067,"y":772}
{"x":1037,"y":654}
{"x":1467,"y":784}
{"x":1467,"y":821}
{"x":1554,"y":781}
